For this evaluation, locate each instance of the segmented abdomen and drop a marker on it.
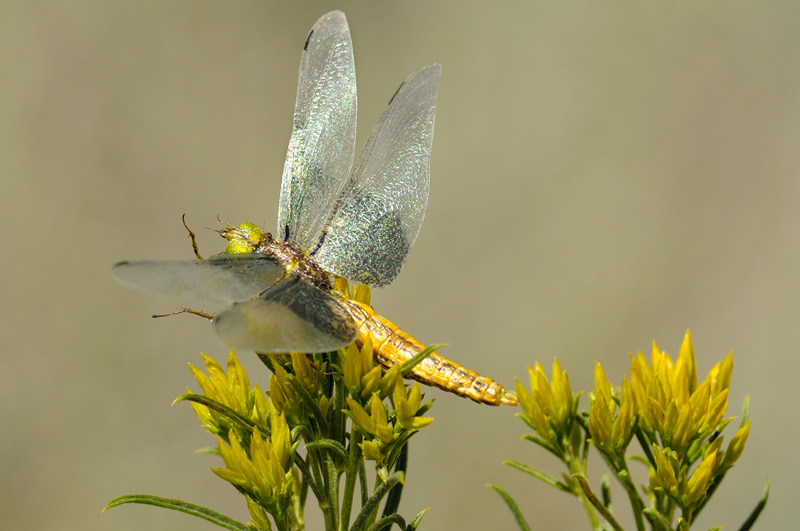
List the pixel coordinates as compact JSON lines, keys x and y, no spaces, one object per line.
{"x":392,"y":346}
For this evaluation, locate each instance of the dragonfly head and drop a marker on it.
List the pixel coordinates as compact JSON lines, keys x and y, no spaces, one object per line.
{"x":245,"y":238}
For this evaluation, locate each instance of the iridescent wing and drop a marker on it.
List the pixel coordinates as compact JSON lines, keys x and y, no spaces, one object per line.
{"x":292,"y":316}
{"x":380,"y":209}
{"x":225,"y":278}
{"x":322,"y":144}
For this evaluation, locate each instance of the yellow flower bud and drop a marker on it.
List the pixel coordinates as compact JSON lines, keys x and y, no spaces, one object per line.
{"x":696,"y":486}
{"x":736,"y":447}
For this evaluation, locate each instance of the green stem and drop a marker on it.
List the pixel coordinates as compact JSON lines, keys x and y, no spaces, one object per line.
{"x":596,"y":503}
{"x":282,"y":524}
{"x":575,"y":466}
{"x":314,"y":461}
{"x":637,"y":505}
{"x":333,"y":487}
{"x":351,"y":473}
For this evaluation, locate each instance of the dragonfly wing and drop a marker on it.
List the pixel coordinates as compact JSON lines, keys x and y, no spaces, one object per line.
{"x":292,"y":316}
{"x":381,"y":207}
{"x":322,"y":144}
{"x":225,"y":278}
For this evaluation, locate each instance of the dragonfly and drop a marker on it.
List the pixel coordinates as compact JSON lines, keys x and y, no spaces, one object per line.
{"x":335,"y":219}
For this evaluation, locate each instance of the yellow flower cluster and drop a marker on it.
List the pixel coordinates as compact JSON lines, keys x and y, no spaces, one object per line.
{"x":548,"y":408}
{"x":263,"y":469}
{"x":610,"y":434}
{"x":254,"y":438}
{"x":669,"y":400}
{"x":232,"y":390}
{"x":368,"y":388}
{"x":675,"y":418}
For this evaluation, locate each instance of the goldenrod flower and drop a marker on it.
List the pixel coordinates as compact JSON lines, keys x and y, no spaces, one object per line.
{"x":406,"y":404}
{"x":258,"y":515}
{"x":669,"y":400}
{"x":374,"y":423}
{"x":736,"y":447}
{"x":695,"y":489}
{"x":230,"y":388}
{"x":610,"y":434}
{"x":263,"y":469}
{"x":363,"y":377}
{"x":667,"y":467}
{"x":547,"y":408}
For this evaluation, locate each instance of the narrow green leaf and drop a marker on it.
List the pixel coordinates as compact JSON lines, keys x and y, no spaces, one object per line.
{"x":602,"y":509}
{"x":233,"y":416}
{"x":656,"y":519}
{"x":362,"y":482}
{"x":329,"y":444}
{"x":309,"y":478}
{"x":547,"y":478}
{"x":182,"y":506}
{"x":387,"y":521}
{"x":375,"y":499}
{"x":757,"y":510}
{"x":605,"y":491}
{"x":413,"y":362}
{"x":413,"y":524}
{"x":745,"y":411}
{"x":393,"y":499}
{"x":512,"y":505}
{"x":544,"y":444}
{"x":424,"y":408}
{"x":208,"y":450}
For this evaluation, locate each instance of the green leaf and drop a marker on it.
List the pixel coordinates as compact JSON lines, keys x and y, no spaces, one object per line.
{"x":595,"y":501}
{"x":236,"y":418}
{"x":605,"y":490}
{"x":329,"y":444}
{"x":309,"y":478}
{"x":393,"y":499}
{"x":413,"y":524}
{"x":182,"y":506}
{"x":757,"y":510}
{"x":208,"y":450}
{"x":745,"y":411}
{"x":547,"y":478}
{"x":387,"y":521}
{"x":375,"y":499}
{"x":544,"y":444}
{"x":656,"y":519}
{"x":413,"y":362}
{"x":512,"y":505}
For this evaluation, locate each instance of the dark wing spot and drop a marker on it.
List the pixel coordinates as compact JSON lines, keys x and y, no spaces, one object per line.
{"x":319,"y":243}
{"x":395,"y":93}
{"x":308,"y":39}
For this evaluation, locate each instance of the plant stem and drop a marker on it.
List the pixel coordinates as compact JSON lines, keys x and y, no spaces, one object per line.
{"x":351,"y":473}
{"x":333,"y":487}
{"x":575,"y":466}
{"x":624,"y":477}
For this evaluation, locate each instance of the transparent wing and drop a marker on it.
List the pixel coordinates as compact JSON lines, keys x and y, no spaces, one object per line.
{"x":322,"y":144}
{"x":224,"y":279}
{"x":381,"y":207}
{"x":291,"y":316}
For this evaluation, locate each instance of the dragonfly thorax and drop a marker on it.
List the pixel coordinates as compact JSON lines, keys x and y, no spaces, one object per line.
{"x":248,"y":238}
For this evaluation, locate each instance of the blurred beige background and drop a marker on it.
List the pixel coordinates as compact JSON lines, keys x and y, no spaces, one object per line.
{"x":604,"y":174}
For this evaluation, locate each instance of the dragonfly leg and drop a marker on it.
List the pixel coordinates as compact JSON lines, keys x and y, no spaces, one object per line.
{"x":184,"y":309}
{"x":192,"y":236}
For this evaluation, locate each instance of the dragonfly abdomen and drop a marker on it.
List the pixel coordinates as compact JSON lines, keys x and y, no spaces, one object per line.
{"x":392,"y":346}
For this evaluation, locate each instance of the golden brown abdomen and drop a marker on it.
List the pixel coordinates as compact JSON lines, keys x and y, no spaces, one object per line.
{"x":393,"y":346}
